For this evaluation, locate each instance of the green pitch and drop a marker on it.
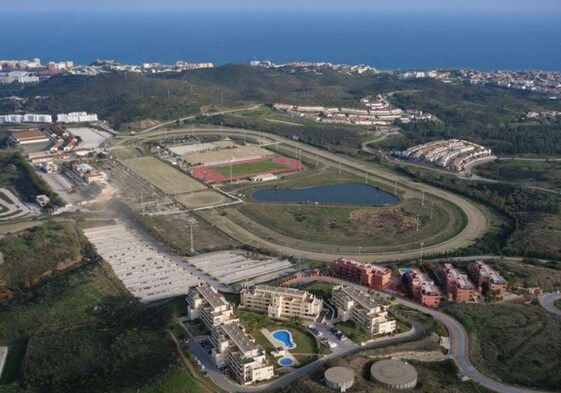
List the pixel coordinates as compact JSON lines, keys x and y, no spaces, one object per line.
{"x":248,"y":168}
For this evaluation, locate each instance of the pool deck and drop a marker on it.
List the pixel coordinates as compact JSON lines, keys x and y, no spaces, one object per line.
{"x":279,"y":344}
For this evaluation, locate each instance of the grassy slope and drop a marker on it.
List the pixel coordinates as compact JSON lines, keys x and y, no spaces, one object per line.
{"x":518,"y":343}
{"x":57,"y":243}
{"x":79,"y":330}
{"x":536,"y":173}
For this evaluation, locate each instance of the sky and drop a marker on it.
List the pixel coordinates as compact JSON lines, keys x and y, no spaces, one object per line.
{"x":425,"y":6}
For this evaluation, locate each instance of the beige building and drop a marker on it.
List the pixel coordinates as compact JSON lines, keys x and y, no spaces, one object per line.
{"x":207,"y":304}
{"x":233,"y":348}
{"x":237,"y":350}
{"x":363,"y":309}
{"x":281,"y":303}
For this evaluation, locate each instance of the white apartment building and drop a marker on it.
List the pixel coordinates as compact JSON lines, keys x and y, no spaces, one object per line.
{"x":239,"y":352}
{"x":207,"y":304}
{"x":76,"y":117}
{"x":233,"y":348}
{"x":19,"y":77}
{"x":360,"y":307}
{"x":27,"y":118}
{"x":281,"y":303}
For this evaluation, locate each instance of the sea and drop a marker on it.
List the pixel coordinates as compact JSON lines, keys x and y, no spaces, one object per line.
{"x":387,"y":40}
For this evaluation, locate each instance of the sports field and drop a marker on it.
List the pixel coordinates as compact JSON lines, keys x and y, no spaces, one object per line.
{"x":237,"y":153}
{"x":245,"y":169}
{"x":198,"y":199}
{"x":249,"y":168}
{"x":163,"y":176}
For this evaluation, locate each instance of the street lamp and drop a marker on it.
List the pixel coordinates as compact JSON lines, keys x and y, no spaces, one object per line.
{"x":421,"y":259}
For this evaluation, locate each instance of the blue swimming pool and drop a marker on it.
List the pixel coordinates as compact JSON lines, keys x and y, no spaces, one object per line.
{"x":285,"y":337}
{"x":285,"y":362}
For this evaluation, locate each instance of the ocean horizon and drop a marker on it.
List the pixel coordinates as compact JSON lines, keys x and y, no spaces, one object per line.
{"x":382,"y":40}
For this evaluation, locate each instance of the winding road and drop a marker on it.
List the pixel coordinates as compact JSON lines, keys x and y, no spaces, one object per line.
{"x":547,"y":301}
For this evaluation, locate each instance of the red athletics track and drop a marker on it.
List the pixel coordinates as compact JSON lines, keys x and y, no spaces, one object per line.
{"x":209,"y":175}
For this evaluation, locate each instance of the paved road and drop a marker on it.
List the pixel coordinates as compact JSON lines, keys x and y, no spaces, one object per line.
{"x":475,"y":228}
{"x":547,"y":300}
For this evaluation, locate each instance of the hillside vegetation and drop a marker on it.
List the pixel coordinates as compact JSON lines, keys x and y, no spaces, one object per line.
{"x":17,"y":173}
{"x":78,"y":329}
{"x":479,"y":113}
{"x":34,"y":253}
{"x":520,"y":344}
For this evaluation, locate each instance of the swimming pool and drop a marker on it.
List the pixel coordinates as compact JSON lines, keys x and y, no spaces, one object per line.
{"x":285,"y":362}
{"x":285,"y":337}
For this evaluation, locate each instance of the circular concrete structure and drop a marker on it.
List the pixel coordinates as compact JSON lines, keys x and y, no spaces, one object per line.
{"x":339,"y":378}
{"x":394,"y":374}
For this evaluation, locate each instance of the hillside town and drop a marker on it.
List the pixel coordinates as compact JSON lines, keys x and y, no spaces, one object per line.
{"x":32,"y":71}
{"x":378,"y":112}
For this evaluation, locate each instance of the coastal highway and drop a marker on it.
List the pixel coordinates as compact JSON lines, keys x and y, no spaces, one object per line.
{"x":476,"y":219}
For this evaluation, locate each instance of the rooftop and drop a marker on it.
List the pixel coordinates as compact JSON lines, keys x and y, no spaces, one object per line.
{"x":236,"y":334}
{"x":213,"y":297}
{"x":28,"y":134}
{"x":339,"y":375}
{"x":393,"y":372}
{"x":361,"y":297}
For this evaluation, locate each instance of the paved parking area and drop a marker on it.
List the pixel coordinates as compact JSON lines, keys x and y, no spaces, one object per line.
{"x":152,"y":272}
{"x":145,"y":268}
{"x":230,"y":267}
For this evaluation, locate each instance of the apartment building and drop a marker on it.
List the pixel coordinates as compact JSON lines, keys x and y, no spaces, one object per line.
{"x":76,"y":117}
{"x":363,"y":309}
{"x":233,"y":347}
{"x":207,"y":304}
{"x":364,"y":274}
{"x":488,"y":280}
{"x":239,"y":352}
{"x":422,"y":289}
{"x":457,"y":285}
{"x":281,"y":303}
{"x":27,"y":118}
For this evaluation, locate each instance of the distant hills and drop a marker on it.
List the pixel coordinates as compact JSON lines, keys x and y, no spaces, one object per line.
{"x":483,"y":114}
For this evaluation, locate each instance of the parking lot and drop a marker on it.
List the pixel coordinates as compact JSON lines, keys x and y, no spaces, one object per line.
{"x":326,"y":333}
{"x":152,"y":272}
{"x":146,"y":269}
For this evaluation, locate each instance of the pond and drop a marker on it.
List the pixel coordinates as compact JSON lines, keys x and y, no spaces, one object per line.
{"x":333,"y":194}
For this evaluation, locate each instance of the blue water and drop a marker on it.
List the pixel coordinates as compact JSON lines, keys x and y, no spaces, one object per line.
{"x":336,"y":194}
{"x":285,"y":337}
{"x":385,"y":40}
{"x":285,"y":362}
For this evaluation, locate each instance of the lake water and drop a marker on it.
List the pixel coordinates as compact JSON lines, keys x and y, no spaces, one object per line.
{"x":333,"y":194}
{"x":405,"y":39}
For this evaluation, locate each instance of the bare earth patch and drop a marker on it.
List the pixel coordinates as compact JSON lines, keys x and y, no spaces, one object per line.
{"x":364,"y":222}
